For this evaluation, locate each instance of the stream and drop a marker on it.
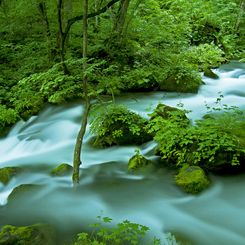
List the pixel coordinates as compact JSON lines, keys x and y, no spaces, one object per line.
{"x":150,"y":198}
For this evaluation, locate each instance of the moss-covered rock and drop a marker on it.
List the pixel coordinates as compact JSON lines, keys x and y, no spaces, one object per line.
{"x":209,"y":73}
{"x":138,"y":161}
{"x":120,"y":126}
{"x":7,"y":173}
{"x":62,"y":169}
{"x":165,"y":112}
{"x":183,"y":85}
{"x":181,"y":239}
{"x":192,"y":180}
{"x":38,"y":234}
{"x":19,"y":193}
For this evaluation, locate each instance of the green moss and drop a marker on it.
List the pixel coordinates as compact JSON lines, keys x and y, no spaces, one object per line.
{"x":38,"y":234}
{"x":192,"y":180}
{"x":239,"y":132}
{"x":184,"y":85}
{"x":211,"y":74}
{"x":62,"y":169}
{"x":138,"y":161}
{"x":181,"y":239}
{"x":7,"y":173}
{"x":164,"y":111}
{"x":75,"y":177}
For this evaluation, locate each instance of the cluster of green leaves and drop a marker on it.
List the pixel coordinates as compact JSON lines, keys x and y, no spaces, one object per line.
{"x":204,"y":55}
{"x":103,"y":120}
{"x":7,"y":116}
{"x":126,"y":232}
{"x":212,"y":142}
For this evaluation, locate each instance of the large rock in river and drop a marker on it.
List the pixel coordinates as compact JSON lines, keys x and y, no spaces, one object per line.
{"x":38,"y":234}
{"x":192,"y":180}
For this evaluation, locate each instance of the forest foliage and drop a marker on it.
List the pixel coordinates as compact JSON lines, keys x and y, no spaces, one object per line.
{"x":137,"y":50}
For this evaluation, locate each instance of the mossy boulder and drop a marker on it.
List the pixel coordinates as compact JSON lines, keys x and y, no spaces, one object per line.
{"x":20,"y":192}
{"x":7,"y":173}
{"x":120,"y":126}
{"x":192,"y":180}
{"x":38,"y":234}
{"x":209,"y":73}
{"x":183,"y":85}
{"x":138,"y":161}
{"x":165,"y":112}
{"x":62,"y":169}
{"x":181,"y":239}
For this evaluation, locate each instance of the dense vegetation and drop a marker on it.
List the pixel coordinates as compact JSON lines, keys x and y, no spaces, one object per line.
{"x":135,"y":49}
{"x":133,"y":45}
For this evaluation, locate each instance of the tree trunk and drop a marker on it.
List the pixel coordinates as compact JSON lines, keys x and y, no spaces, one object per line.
{"x":43,"y":13}
{"x":239,"y":16}
{"x":62,"y":38}
{"x":70,"y":22}
{"x":77,"y":153}
{"x":120,"y":19}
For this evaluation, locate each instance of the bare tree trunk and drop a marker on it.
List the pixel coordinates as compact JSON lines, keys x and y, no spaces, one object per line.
{"x":43,"y":13}
{"x":241,"y":11}
{"x":77,"y":153}
{"x":120,"y":19}
{"x":62,"y":36}
{"x":70,"y":22}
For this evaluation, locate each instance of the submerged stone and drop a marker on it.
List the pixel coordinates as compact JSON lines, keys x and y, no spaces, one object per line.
{"x":7,"y":173}
{"x":137,"y":162}
{"x":62,"y":169}
{"x":19,"y":193}
{"x":192,"y":180}
{"x":38,"y":234}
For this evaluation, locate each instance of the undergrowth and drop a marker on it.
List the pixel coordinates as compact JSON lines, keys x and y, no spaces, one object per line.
{"x":125,"y":233}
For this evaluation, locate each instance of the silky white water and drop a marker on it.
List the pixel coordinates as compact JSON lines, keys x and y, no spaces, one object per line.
{"x":216,"y":216}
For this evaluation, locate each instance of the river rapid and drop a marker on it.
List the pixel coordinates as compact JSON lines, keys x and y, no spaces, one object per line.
{"x":151,"y":198}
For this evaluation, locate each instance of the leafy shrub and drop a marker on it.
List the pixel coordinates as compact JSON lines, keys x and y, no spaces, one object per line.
{"x":118,"y":125}
{"x":126,"y":232}
{"x":204,"y":55}
{"x":7,"y":116}
{"x":210,"y":144}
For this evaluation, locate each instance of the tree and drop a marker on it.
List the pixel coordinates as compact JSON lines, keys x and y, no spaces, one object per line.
{"x":240,"y":15}
{"x":77,"y":152}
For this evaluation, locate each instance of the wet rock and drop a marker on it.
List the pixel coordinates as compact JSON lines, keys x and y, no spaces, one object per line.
{"x":184,"y":85}
{"x":19,"y":193}
{"x":181,"y":239}
{"x":7,"y":173}
{"x":38,"y":234}
{"x":192,"y":180}
{"x":209,"y":73}
{"x":62,"y":169}
{"x":138,"y":161}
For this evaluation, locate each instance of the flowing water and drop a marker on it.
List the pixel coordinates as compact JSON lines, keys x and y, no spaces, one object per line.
{"x":216,"y":216}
